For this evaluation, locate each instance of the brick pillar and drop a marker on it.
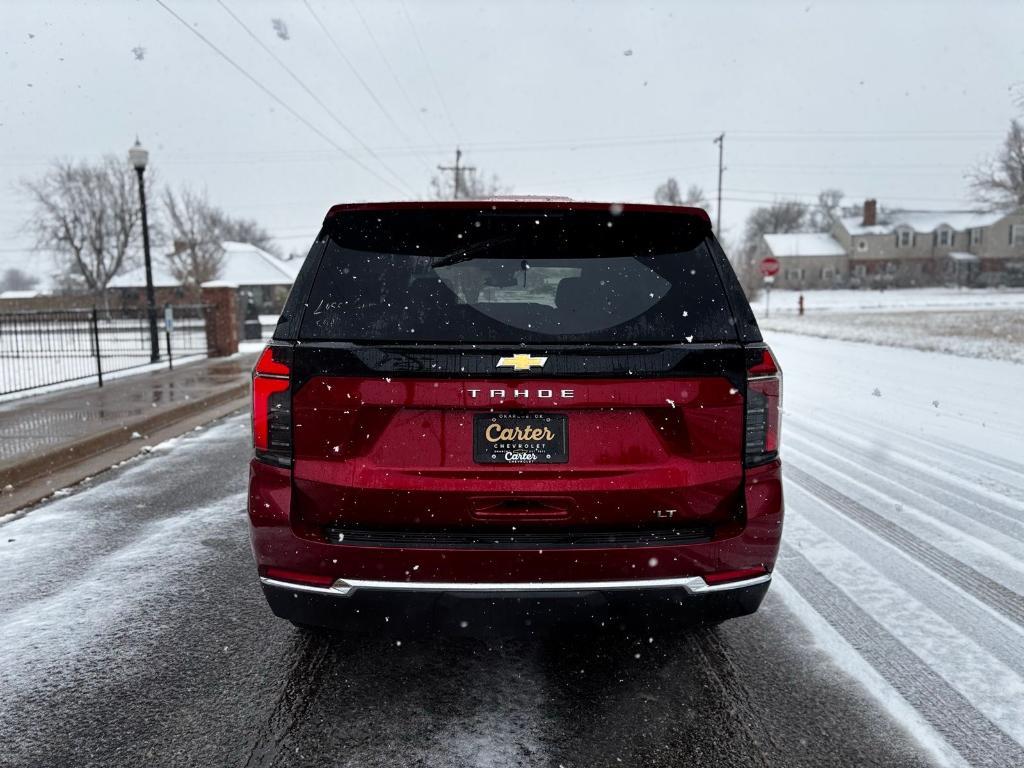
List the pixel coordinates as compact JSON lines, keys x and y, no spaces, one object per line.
{"x":221,"y":300}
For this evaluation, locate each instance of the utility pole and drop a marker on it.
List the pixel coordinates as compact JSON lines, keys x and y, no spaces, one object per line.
{"x":456,"y":170}
{"x":720,"y":141}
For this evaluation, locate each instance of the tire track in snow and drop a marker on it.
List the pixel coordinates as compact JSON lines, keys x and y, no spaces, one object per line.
{"x":297,"y":692}
{"x":1007,"y":535}
{"x":952,"y":716}
{"x":996,"y":557}
{"x":502,"y":726}
{"x":1007,"y":509}
{"x":956,"y":453}
{"x":1001,"y":639}
{"x":993,"y":594}
{"x":946,"y":477}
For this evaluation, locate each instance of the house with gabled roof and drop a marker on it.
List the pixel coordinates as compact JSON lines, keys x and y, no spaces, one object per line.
{"x":908,"y":248}
{"x":903,"y":248}
{"x":807,"y":260}
{"x":263,"y":279}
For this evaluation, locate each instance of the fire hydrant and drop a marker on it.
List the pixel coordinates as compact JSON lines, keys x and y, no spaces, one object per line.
{"x":800,"y":305}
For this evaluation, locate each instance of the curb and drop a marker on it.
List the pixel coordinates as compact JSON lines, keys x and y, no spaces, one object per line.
{"x":20,"y":473}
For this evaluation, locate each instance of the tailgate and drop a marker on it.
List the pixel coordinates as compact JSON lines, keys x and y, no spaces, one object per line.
{"x":648,"y":440}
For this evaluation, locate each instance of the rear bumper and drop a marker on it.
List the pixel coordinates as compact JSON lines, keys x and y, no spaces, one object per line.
{"x":339,"y":570}
{"x":691,"y":585}
{"x":513,"y":607}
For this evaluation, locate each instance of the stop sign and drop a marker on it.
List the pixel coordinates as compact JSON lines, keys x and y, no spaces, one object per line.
{"x":769,"y":266}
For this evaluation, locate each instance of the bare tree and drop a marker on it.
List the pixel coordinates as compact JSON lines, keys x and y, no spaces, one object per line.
{"x":782,"y":216}
{"x":244,"y":231}
{"x":472,"y":184}
{"x":198,"y":229}
{"x":16,"y":280}
{"x":191,"y":224}
{"x":668,"y":194}
{"x":824,"y":215}
{"x":1000,"y":182}
{"x":88,"y":216}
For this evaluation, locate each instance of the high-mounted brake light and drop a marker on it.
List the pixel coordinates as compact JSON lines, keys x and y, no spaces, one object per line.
{"x":272,"y":406}
{"x":764,"y":407}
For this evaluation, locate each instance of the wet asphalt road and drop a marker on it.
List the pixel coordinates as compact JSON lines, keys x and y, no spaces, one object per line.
{"x":133,"y":632}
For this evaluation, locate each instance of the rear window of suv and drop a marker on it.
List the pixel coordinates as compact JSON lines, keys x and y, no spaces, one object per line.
{"x":489,"y":276}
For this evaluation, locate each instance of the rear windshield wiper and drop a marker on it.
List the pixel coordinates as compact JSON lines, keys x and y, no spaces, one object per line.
{"x":469,"y":252}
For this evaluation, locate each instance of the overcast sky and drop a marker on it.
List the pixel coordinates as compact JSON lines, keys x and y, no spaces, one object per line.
{"x":594,"y":100}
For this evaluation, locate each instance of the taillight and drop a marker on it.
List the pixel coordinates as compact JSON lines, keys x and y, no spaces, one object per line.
{"x":272,"y":406}
{"x":764,"y":407}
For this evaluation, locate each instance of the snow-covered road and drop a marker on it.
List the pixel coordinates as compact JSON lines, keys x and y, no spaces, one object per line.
{"x":904,"y":542}
{"x":132,"y":630}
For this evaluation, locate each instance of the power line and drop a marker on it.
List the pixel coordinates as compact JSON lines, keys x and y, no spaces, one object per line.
{"x":394,"y":75}
{"x":313,"y":95}
{"x":275,"y":97}
{"x":359,"y":77}
{"x":430,"y":71}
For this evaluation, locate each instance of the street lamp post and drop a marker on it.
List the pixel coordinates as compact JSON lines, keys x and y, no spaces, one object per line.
{"x":138,"y":158}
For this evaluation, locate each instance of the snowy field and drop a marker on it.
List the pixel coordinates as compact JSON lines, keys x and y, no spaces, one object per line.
{"x":904,"y":541}
{"x":892,"y":300}
{"x":967,"y":323}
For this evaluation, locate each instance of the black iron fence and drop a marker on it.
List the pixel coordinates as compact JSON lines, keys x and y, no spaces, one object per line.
{"x":41,"y":348}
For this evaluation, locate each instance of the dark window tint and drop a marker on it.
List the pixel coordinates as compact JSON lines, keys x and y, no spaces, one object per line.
{"x":455,"y":276}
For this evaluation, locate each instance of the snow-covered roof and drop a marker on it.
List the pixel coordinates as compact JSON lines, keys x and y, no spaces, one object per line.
{"x":29,"y":294}
{"x":244,"y":264}
{"x":804,"y":244}
{"x":922,"y":221}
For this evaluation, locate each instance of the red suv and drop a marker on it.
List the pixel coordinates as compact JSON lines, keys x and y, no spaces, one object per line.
{"x":515,"y":398}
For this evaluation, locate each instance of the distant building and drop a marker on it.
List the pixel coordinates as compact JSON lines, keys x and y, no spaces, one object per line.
{"x":903,"y":248}
{"x":807,"y":260}
{"x":263,"y":279}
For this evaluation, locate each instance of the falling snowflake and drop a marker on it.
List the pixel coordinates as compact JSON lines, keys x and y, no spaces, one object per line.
{"x":280,"y":29}
{"x":139,"y":52}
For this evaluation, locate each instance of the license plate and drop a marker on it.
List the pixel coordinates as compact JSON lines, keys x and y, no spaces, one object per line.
{"x":520,"y":438}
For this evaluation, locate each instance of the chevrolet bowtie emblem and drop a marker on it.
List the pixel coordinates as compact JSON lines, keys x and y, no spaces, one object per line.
{"x":521,"y":362}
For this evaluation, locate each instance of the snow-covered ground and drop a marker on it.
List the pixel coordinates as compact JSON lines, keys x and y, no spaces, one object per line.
{"x":904,"y":542}
{"x":969,"y":323}
{"x":892,"y":300}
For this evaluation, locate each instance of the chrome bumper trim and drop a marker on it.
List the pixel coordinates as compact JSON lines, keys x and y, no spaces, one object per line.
{"x":694,"y":585}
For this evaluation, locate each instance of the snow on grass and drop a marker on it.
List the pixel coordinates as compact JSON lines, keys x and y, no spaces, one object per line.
{"x":966,"y":322}
{"x":987,"y":333}
{"x":784,"y":302}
